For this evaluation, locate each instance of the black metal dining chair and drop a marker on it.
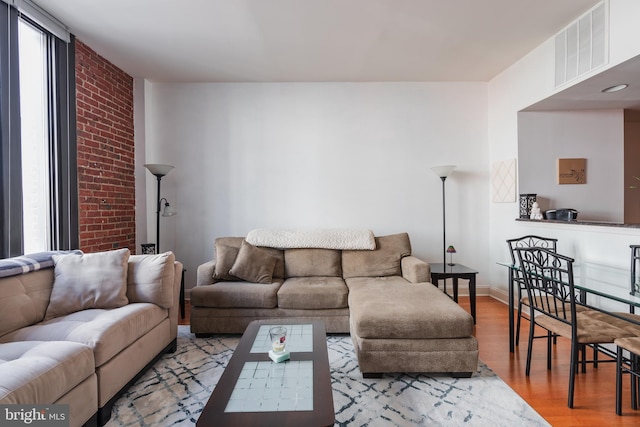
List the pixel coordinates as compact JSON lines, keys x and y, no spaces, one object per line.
{"x":630,"y":365}
{"x":529,"y":241}
{"x":549,"y":283}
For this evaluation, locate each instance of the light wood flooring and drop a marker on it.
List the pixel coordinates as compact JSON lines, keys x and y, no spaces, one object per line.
{"x":545,"y":391}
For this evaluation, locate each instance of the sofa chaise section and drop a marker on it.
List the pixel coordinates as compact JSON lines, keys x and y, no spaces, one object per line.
{"x":409,"y":327}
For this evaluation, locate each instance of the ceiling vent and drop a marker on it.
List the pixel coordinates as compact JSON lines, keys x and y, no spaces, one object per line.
{"x":583,"y":45}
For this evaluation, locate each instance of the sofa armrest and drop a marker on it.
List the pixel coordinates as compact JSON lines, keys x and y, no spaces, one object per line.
{"x":415,"y":270}
{"x":174,"y":311}
{"x":156,"y":279}
{"x":205,"y":273}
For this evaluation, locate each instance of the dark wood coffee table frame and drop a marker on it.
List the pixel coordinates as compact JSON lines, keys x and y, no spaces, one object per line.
{"x":322,"y":414}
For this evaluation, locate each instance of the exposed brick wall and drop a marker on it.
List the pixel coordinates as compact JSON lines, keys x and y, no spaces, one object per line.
{"x":106,"y":178}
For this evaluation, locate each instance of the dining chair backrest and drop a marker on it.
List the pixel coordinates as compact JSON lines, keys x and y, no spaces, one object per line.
{"x":548,"y":278}
{"x":524,"y":242}
{"x":530,"y":241}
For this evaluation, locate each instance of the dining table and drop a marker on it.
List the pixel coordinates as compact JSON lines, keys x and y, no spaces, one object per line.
{"x":590,"y":292}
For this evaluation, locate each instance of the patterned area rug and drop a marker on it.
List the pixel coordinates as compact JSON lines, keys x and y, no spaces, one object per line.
{"x":176,"y":389}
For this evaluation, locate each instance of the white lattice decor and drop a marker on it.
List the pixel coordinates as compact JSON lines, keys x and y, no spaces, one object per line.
{"x":503,"y":181}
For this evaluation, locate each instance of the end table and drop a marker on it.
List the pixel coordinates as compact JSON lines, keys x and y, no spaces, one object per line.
{"x":440,"y":271}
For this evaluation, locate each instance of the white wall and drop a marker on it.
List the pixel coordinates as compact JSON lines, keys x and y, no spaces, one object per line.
{"x":308,"y":155}
{"x":595,"y":135}
{"x":346,"y":154}
{"x":528,"y":81}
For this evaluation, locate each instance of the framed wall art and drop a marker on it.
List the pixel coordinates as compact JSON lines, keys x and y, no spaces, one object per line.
{"x":572,"y":171}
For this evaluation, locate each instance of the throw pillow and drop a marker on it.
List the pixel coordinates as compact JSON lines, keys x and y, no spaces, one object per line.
{"x":226,"y":252}
{"x":253,"y":264}
{"x":96,"y":280}
{"x":150,"y":279}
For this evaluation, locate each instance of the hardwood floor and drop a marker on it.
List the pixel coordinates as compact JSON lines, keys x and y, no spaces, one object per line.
{"x":546,"y":391}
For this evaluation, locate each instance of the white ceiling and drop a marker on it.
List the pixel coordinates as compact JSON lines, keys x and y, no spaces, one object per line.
{"x":314,"y":40}
{"x":588,"y":95}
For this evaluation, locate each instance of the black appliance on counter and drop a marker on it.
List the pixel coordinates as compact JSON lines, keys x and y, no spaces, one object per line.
{"x":562,"y":214}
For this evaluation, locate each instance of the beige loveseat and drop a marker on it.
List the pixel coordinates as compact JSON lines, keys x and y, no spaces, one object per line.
{"x":399,"y":321}
{"x":82,"y":331}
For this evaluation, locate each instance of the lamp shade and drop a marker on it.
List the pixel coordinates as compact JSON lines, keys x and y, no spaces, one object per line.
{"x":169,"y":210}
{"x":451,"y":249}
{"x":443,"y":171}
{"x":158,"y":169}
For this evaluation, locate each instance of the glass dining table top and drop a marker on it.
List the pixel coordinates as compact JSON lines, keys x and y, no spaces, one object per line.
{"x":609,"y":291}
{"x":620,"y":292}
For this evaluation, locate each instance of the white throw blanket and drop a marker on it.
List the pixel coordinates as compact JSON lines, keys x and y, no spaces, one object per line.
{"x":331,"y":238}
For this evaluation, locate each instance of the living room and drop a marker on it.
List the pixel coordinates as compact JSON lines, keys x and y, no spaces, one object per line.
{"x":243,"y":141}
{"x":296,"y":153}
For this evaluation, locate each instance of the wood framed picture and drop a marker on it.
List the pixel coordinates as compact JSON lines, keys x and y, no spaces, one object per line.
{"x":572,"y":171}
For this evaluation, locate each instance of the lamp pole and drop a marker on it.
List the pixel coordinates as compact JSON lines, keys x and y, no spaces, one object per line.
{"x":159,"y":178}
{"x":444,"y":227}
{"x":443,"y":172}
{"x":159,"y":171}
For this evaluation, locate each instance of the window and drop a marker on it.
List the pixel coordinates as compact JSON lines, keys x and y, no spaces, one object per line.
{"x":38,"y":203}
{"x":34,"y":142}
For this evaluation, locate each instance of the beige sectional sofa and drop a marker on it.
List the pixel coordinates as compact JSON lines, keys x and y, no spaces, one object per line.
{"x":81,"y":331}
{"x":399,"y":321}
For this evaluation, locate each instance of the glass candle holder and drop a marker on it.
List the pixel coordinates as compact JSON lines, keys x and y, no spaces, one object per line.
{"x":278,"y":336}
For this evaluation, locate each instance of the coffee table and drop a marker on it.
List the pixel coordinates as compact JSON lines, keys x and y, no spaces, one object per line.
{"x":255,"y":391}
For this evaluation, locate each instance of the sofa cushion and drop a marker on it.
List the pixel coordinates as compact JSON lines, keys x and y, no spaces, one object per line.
{"x":236,"y":295}
{"x":96,"y":280}
{"x":383,"y":261}
{"x":312,"y":262}
{"x":150,"y":279}
{"x":253,"y":264}
{"x":24,"y":299}
{"x":36,"y":372}
{"x":419,"y":311}
{"x":107,"y":332}
{"x":227,"y":249}
{"x":313,"y":293}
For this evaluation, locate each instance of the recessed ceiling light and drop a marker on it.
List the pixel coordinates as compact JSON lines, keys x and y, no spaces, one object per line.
{"x":615,"y":88}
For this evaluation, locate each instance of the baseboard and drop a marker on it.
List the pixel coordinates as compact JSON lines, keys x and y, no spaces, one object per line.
{"x":463,"y":291}
{"x":499,"y":294}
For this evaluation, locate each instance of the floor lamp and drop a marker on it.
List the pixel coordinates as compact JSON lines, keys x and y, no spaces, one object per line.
{"x":159,"y":171}
{"x":443,"y":172}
